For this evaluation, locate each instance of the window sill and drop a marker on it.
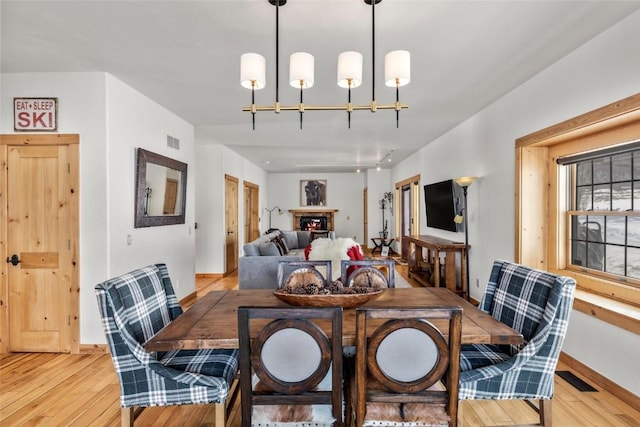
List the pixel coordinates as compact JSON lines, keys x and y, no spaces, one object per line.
{"x":623,"y":315}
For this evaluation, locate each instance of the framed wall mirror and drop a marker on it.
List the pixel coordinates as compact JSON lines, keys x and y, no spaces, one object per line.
{"x":161,"y":188}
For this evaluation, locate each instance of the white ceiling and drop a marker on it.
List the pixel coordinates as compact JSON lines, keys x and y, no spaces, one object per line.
{"x":185,"y":55}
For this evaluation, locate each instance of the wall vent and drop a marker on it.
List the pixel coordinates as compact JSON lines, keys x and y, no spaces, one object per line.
{"x":173,"y":142}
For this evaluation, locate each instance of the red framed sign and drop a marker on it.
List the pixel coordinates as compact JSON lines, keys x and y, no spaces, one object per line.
{"x":35,"y":114}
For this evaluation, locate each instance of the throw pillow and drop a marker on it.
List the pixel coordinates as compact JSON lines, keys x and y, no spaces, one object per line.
{"x":290,"y":238}
{"x":269,"y":249}
{"x":252,"y":249}
{"x":335,"y":251}
{"x":282,"y":245}
{"x":275,"y":242}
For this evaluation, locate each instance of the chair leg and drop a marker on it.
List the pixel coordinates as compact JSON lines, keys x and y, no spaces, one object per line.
{"x":348,"y":391}
{"x":126,"y":417}
{"x":459,"y":417}
{"x":545,"y":412}
{"x":220,"y":415}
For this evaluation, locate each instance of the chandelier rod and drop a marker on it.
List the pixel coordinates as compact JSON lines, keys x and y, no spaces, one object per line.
{"x":277,"y":54}
{"x":373,"y":55}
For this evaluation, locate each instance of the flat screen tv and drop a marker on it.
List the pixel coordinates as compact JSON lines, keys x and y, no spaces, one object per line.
{"x":442,"y":205}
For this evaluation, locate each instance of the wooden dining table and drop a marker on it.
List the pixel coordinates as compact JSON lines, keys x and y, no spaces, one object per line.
{"x":212,"y":321}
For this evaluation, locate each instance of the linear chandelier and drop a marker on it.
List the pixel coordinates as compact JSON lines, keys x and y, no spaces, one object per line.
{"x":301,"y":75}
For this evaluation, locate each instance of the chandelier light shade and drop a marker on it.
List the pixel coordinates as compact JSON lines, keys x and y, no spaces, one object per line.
{"x":252,"y":71}
{"x":301,"y":75}
{"x":349,"y":70}
{"x":301,"y":70}
{"x":397,"y":68}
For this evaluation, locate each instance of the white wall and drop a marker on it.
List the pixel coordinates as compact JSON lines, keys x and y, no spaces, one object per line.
{"x":214,"y":161}
{"x":112,"y":119}
{"x":344,"y":192}
{"x":602,"y":71}
{"x":134,"y":121}
{"x":209,"y":209}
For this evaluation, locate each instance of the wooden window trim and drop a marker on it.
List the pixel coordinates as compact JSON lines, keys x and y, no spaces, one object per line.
{"x":541,"y":220}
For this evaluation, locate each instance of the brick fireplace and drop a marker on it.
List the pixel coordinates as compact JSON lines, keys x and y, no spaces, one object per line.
{"x":313,"y":219}
{"x":313,"y":222}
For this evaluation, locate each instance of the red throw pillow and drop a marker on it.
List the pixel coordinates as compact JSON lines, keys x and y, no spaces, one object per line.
{"x":354,"y":254}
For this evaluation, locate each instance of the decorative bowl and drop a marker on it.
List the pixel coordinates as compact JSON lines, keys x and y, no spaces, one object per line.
{"x":331,"y":300}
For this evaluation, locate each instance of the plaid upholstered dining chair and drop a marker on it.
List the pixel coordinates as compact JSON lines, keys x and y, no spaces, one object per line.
{"x":134,"y":307}
{"x":537,"y":304}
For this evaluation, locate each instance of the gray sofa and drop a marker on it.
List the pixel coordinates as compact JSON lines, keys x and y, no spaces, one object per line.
{"x":258,"y":267}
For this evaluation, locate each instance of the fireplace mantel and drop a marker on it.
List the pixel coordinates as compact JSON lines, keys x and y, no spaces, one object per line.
{"x":327,"y":213}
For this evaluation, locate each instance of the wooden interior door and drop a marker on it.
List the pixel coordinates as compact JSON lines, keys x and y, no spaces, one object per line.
{"x":408,"y":212}
{"x":231,"y":223}
{"x":251,"y":211}
{"x":41,"y":243}
{"x":406,"y":220}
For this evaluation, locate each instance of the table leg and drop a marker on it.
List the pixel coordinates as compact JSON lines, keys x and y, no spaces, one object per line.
{"x":450,"y":271}
{"x":376,"y":246}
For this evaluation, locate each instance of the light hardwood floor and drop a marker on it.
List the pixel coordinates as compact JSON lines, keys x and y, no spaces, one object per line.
{"x":83,"y":390}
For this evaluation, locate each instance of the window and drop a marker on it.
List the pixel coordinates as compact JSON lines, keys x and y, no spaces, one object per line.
{"x":605,"y":214}
{"x":578,"y":207}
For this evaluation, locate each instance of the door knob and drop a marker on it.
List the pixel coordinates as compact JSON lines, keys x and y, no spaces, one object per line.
{"x":229,"y":232}
{"x":14,"y":260}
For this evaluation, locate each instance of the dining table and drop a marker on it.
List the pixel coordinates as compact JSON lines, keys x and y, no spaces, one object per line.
{"x":212,"y":321}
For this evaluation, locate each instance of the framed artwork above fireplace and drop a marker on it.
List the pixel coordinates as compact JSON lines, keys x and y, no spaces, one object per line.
{"x":313,"y":192}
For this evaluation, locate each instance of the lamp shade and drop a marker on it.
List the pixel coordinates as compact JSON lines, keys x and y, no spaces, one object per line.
{"x":349,"y":68}
{"x":397,"y":66}
{"x":301,"y":70}
{"x":252,"y":69}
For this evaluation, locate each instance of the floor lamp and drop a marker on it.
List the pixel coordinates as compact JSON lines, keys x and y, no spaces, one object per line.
{"x":465,"y":182}
{"x":270,"y":211}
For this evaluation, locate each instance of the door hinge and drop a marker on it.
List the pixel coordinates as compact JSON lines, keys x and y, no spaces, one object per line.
{"x":69,"y":244}
{"x":69,"y":168}
{"x":68,"y":320}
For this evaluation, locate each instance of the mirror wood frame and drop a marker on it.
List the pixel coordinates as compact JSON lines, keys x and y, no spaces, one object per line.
{"x":143,"y":157}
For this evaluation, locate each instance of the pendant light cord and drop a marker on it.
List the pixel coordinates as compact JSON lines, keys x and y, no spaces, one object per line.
{"x":277,"y":49}
{"x":373,"y":52}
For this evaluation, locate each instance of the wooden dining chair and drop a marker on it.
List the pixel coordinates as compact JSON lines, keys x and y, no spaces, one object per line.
{"x":406,"y":370}
{"x":287,"y":268}
{"x":385,"y":266}
{"x":291,"y":368}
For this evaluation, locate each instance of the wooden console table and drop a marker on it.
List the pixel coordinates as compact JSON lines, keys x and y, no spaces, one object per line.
{"x":426,"y":269}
